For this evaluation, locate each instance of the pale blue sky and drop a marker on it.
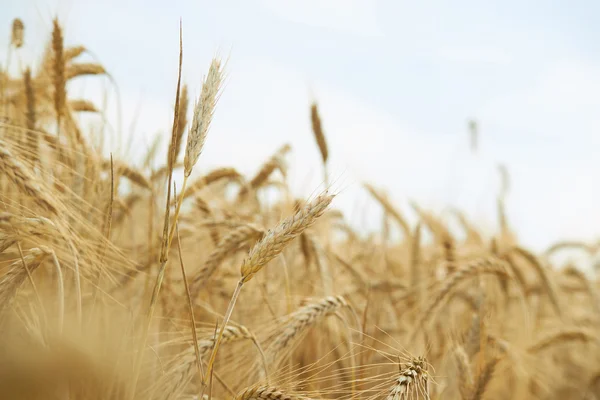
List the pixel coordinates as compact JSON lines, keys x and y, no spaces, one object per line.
{"x":396,"y":82}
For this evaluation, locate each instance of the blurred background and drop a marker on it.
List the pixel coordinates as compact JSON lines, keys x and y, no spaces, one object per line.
{"x":397,"y":83}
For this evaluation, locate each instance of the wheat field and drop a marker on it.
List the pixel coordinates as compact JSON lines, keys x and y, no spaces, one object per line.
{"x":117,"y":284}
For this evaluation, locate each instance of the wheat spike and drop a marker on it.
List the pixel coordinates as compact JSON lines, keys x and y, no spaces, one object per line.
{"x":302,"y":319}
{"x":23,"y":178}
{"x":81,"y":105}
{"x":17,"y":33}
{"x":75,"y":70}
{"x":228,"y":244}
{"x":318,"y":132}
{"x":203,"y":114}
{"x":58,"y":71}
{"x":485,"y":265}
{"x":562,"y":337}
{"x":17,"y":273}
{"x":267,"y":393}
{"x":411,"y":382}
{"x":181,"y":124}
{"x":30,"y":115}
{"x":212,"y":177}
{"x":276,"y":161}
{"x":389,"y":208}
{"x":273,"y":243}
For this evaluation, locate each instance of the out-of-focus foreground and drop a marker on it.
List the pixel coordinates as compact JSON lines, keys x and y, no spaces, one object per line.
{"x":117,"y":284}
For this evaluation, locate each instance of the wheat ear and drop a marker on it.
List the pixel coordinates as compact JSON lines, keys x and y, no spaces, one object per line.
{"x":413,"y":378}
{"x":17,"y":272}
{"x":267,"y":393}
{"x":303,"y":318}
{"x":481,"y":266}
{"x":269,"y":247}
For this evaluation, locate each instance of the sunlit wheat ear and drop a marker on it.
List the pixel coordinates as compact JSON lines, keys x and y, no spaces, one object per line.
{"x":212,"y":177}
{"x":486,"y":265}
{"x":267,"y":393}
{"x":73,"y":52}
{"x":181,"y":123}
{"x":465,"y":378}
{"x":82,"y":105}
{"x":301,"y":319}
{"x":228,"y":244}
{"x":318,"y":132}
{"x":484,"y":378}
{"x":276,"y":161}
{"x":412,"y":382}
{"x":17,"y":34}
{"x":25,"y":181}
{"x":58,"y":70}
{"x":14,"y":228}
{"x":183,"y":369}
{"x":389,"y":208}
{"x":203,"y":114}
{"x":30,"y":116}
{"x":75,"y":70}
{"x":17,"y":273}
{"x":273,"y":243}
{"x":562,"y":337}
{"x":128,"y":172}
{"x":546,"y":282}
